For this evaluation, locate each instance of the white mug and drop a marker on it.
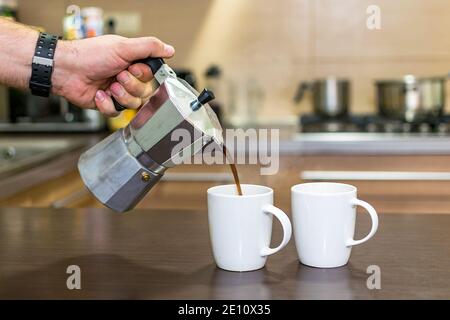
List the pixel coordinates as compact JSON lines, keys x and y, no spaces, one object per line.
{"x":324,"y":216}
{"x":240,"y":227}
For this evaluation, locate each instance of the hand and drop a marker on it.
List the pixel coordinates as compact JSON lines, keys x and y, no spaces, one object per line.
{"x":88,"y":72}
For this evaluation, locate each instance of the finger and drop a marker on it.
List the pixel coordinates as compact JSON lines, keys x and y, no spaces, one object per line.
{"x":123,"y":97}
{"x":134,"y":86}
{"x":144,"y":47}
{"x":105,"y":104}
{"x":141,"y":71}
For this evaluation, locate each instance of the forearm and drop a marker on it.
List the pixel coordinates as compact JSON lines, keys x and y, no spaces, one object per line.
{"x":87,"y":72}
{"x":16,"y":53}
{"x":18,"y":43}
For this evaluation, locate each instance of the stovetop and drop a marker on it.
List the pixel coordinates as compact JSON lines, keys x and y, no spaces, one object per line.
{"x":372,"y":123}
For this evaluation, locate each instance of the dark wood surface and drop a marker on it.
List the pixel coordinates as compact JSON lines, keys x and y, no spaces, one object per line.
{"x":157,"y":254}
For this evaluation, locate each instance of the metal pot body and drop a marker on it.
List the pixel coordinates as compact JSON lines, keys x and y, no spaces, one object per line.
{"x":173,"y":125}
{"x":331,"y":97}
{"x":411,"y":99}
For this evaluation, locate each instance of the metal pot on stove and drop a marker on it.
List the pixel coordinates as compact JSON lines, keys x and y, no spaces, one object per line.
{"x":330,"y":96}
{"x":411,"y":99}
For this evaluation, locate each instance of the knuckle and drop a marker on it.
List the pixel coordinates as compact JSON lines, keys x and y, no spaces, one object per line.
{"x":155,"y":43}
{"x":144,"y":72}
{"x":137,"y":88}
{"x":147,"y":91}
{"x":130,"y":101}
{"x":112,"y":114}
{"x":140,"y":89}
{"x":110,"y":111}
{"x":132,"y":85}
{"x":105,"y":109}
{"x":123,"y":44}
{"x":135,"y":69}
{"x":123,"y":100}
{"x":153,"y":40}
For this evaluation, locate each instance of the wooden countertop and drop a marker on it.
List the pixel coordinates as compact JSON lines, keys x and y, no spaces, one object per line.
{"x":158,"y":254}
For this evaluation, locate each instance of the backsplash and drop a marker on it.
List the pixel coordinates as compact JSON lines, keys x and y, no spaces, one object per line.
{"x":280,"y":43}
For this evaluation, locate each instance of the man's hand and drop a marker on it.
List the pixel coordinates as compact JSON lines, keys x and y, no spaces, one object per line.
{"x":88,"y":72}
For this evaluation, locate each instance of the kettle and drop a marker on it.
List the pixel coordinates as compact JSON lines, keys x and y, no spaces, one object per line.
{"x":123,"y":167}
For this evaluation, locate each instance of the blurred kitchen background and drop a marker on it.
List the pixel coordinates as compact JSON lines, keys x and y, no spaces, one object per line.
{"x":369,"y":107}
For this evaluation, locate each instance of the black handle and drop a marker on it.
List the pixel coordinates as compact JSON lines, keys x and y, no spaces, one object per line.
{"x":206,"y":96}
{"x":303,"y":86}
{"x":154,"y":64}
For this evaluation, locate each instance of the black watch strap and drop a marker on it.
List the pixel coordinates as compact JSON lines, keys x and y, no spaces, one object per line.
{"x":42,"y":65}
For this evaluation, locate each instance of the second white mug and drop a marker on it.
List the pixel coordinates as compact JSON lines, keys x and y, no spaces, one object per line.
{"x":324,"y":216}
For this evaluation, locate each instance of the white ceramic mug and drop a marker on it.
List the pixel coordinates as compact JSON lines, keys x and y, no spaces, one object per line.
{"x":324,"y":216}
{"x":240,"y":227}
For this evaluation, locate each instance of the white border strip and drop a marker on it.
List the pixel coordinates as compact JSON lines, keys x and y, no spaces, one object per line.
{"x":197,"y":177}
{"x":375,"y":175}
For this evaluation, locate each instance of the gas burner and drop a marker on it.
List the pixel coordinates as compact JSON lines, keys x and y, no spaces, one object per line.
{"x":314,"y":123}
{"x":372,"y":123}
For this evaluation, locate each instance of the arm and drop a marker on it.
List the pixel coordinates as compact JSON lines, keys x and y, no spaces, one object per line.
{"x":86,"y":72}
{"x":15,"y":65}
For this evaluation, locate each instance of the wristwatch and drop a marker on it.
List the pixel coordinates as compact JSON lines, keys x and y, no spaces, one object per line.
{"x":42,"y":65}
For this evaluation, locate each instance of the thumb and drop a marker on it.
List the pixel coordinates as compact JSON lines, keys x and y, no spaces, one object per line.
{"x":141,"y":48}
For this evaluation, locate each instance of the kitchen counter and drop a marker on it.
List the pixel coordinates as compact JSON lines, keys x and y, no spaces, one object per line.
{"x":395,"y":183}
{"x":292,"y":142}
{"x":159,"y":254}
{"x":48,"y":164}
{"x":366,"y":143}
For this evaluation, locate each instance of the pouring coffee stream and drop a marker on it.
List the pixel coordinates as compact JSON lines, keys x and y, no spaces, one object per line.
{"x":122,"y":168}
{"x":233,"y":170}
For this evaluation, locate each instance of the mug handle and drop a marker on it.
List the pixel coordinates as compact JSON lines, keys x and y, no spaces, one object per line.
{"x":285,"y":223}
{"x":373,"y":215}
